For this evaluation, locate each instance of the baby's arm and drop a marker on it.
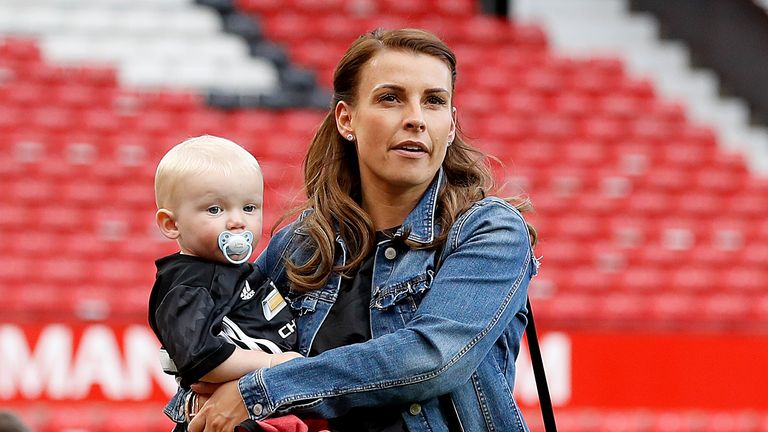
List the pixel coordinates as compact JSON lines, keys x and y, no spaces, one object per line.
{"x":243,"y":361}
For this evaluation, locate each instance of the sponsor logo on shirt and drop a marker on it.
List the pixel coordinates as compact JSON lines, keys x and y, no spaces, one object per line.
{"x":273,"y":303}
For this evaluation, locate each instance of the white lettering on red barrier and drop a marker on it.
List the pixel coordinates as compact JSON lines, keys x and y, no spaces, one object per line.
{"x":556,"y":354}
{"x":103,"y":362}
{"x":58,"y":369}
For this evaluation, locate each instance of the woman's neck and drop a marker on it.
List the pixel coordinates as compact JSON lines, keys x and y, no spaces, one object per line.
{"x":389,"y":208}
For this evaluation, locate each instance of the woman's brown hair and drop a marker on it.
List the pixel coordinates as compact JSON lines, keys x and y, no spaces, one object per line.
{"x":332,"y":179}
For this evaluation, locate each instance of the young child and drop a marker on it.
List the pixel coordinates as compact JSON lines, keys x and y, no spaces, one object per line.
{"x":216,"y":316}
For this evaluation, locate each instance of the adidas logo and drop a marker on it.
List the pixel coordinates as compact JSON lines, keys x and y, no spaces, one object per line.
{"x":247,"y":293}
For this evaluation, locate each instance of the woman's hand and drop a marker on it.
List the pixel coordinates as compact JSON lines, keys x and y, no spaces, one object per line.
{"x":222,"y":411}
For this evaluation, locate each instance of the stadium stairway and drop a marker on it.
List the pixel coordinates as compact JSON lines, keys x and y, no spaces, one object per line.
{"x":589,"y":27}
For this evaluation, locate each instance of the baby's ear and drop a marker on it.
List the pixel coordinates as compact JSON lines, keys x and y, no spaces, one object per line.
{"x":167,"y":223}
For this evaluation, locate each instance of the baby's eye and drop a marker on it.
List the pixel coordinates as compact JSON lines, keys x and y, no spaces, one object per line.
{"x":250,"y":208}
{"x":214,"y":210}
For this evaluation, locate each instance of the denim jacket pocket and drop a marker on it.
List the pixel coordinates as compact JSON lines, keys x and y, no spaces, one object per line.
{"x":406,"y":294}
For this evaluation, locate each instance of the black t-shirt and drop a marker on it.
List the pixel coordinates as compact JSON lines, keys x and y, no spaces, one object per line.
{"x":200,"y":310}
{"x":349,"y":322}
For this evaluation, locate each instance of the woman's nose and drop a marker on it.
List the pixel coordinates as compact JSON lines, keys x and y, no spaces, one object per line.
{"x":414,"y":120}
{"x":416,"y":124}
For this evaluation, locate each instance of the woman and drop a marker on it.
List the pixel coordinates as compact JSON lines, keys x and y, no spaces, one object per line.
{"x":409,"y":283}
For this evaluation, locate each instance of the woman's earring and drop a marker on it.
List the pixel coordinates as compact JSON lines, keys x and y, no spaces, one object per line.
{"x":350,"y":137}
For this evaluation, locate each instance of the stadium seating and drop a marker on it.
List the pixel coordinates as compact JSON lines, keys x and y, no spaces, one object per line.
{"x":620,"y":180}
{"x":642,"y":217}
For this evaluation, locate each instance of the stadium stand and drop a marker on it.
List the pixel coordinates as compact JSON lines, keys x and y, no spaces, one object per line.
{"x":630,"y":192}
{"x":591,"y":27}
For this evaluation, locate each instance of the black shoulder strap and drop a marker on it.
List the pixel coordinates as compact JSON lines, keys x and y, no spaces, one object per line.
{"x":547,"y":413}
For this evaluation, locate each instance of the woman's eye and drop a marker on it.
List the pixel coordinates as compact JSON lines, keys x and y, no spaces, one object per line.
{"x":389,"y":97}
{"x":436,"y":100}
{"x":214,"y":210}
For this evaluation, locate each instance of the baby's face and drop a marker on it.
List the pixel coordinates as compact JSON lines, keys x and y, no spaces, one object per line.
{"x":211,"y":203}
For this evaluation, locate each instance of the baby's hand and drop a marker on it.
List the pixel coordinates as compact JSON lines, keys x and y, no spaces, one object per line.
{"x":276,"y":359}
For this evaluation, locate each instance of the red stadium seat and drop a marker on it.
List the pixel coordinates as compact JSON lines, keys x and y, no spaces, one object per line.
{"x":644,"y":280}
{"x":667,"y":179}
{"x":563,"y":254}
{"x":754,"y":255}
{"x":16,"y":269}
{"x":713,"y":258}
{"x":698,"y":204}
{"x":674,"y":307}
{"x":745,"y":279}
{"x":726,"y":308}
{"x":588,"y":279}
{"x":565,"y":307}
{"x":622,"y":307}
{"x":529,"y":36}
{"x":651,"y":204}
{"x":83,"y":193}
{"x":694,"y":278}
{"x":751,"y":206}
{"x":19,"y":48}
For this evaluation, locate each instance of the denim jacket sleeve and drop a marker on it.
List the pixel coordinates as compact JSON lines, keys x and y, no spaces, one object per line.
{"x":478,"y":293}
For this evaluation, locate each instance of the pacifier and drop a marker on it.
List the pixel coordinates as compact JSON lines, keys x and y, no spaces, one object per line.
{"x":236,"y":244}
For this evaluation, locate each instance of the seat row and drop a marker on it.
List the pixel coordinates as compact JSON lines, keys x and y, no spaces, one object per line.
{"x":114,"y":294}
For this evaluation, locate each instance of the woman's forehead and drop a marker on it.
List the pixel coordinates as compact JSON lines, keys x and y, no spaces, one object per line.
{"x":405,"y":69}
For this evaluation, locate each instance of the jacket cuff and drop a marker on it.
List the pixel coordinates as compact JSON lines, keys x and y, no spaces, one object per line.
{"x":254,"y":395}
{"x":174,"y":409}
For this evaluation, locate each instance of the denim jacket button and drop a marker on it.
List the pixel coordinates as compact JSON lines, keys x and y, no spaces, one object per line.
{"x":390,"y":253}
{"x":257,"y":409}
{"x":414,"y":409}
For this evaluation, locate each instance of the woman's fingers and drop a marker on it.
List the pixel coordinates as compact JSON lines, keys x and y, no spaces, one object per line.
{"x":209,"y":421}
{"x":198,"y":423}
{"x":222,"y":411}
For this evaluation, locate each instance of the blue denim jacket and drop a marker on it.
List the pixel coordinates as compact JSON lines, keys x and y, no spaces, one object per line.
{"x":456,"y":330}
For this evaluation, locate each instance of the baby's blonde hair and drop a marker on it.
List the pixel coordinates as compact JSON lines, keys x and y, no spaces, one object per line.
{"x":195,"y":156}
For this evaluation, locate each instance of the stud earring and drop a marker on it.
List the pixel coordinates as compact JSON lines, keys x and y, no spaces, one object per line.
{"x":350,"y":137}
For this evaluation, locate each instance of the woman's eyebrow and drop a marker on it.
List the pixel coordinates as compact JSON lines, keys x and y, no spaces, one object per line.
{"x":400,"y":88}
{"x":389,"y":86}
{"x":436,"y":90}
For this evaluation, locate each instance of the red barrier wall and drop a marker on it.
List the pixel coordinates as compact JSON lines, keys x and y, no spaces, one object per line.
{"x":602,"y":369}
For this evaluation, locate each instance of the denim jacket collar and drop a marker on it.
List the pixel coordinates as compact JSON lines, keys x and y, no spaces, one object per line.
{"x":421,"y":220}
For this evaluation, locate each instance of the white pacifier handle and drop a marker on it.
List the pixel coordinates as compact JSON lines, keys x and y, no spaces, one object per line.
{"x":236,"y":244}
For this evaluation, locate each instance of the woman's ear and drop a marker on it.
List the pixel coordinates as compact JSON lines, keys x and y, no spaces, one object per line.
{"x":167,"y":223}
{"x":343,"y":114}
{"x":452,"y":133}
